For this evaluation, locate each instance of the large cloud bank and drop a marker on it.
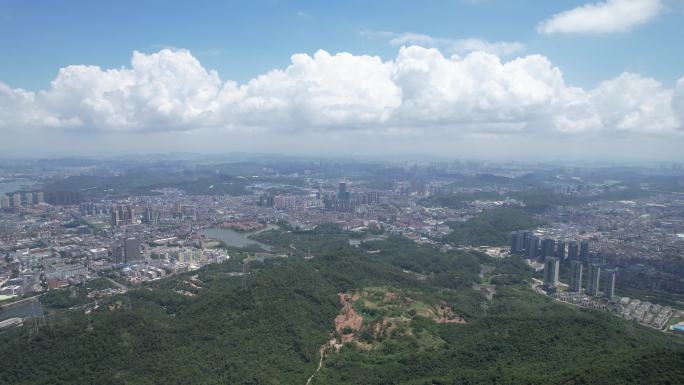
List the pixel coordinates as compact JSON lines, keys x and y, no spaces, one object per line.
{"x":420,"y":90}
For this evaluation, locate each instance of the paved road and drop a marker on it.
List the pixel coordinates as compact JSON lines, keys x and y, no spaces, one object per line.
{"x":320,"y":364}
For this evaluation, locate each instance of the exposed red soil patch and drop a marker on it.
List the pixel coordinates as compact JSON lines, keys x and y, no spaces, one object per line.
{"x":348,"y":318}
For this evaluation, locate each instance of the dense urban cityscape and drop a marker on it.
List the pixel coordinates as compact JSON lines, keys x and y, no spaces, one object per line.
{"x":53,"y":239}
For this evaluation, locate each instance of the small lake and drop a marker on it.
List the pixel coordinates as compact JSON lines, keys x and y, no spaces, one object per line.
{"x":233,"y":238}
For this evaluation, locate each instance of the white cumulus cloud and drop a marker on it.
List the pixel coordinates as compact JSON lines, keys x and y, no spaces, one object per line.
{"x":634,"y":103}
{"x":318,"y":91}
{"x":420,"y":91}
{"x":166,"y":90}
{"x":604,"y":17}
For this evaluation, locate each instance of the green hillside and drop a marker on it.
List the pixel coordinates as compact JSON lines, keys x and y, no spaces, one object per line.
{"x":413,"y":318}
{"x":491,"y":227}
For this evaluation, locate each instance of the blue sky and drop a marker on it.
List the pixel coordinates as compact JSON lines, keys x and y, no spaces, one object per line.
{"x":241,"y":39}
{"x":482,"y":78}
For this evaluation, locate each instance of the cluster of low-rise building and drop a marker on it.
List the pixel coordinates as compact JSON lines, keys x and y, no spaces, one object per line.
{"x":46,"y":246}
{"x":582,"y":300}
{"x":645,"y":312}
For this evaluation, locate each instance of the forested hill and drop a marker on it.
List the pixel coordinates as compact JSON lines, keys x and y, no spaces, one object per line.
{"x":491,"y":227}
{"x":413,"y":318}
